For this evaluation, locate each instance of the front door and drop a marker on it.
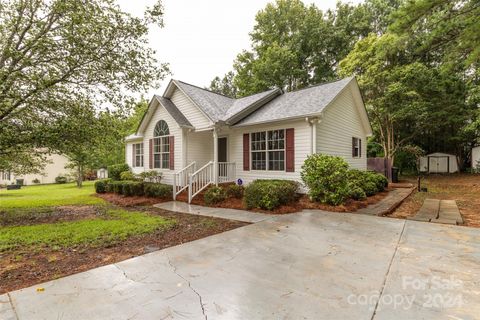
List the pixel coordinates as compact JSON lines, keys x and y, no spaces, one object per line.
{"x":222,"y":149}
{"x":222,"y":158}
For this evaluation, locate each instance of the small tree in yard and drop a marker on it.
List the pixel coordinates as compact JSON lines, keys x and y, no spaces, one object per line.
{"x":326,"y":178}
{"x":79,"y":132}
{"x":55,"y":52}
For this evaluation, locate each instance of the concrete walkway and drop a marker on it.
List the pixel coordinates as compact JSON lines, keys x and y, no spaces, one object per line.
{"x":388,"y":204}
{"x":232,"y":214}
{"x":439,"y":211}
{"x":310,"y":265}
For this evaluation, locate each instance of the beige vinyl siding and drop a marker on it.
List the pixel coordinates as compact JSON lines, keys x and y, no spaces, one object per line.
{"x":54,"y":167}
{"x":199,"y":147}
{"x":189,"y":110}
{"x":340,"y":123}
{"x":175,"y":130}
{"x":302,"y":150}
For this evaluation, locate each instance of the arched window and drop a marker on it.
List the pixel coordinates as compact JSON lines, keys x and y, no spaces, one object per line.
{"x":161,"y":129}
{"x":161,"y":145}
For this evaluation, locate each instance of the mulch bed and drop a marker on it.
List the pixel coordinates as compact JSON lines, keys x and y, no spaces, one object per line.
{"x":23,"y":269}
{"x":302,"y":203}
{"x":134,"y":201}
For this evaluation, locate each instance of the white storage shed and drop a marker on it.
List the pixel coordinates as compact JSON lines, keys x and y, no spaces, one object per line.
{"x":439,"y":163}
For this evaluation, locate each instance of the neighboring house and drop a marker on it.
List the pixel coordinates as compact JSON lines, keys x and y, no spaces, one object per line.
{"x":54,"y":166}
{"x":439,"y":163}
{"x":476,"y":158}
{"x":214,"y":138}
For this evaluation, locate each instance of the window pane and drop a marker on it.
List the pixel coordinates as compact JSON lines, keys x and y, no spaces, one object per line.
{"x":165,"y":160}
{"x":259,"y":161}
{"x":276,"y":160}
{"x":156,"y":160}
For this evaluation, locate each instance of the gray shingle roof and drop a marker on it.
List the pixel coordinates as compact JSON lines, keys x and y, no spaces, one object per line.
{"x":174,"y":112}
{"x":299,"y":103}
{"x":241,"y":104}
{"x":214,"y":105}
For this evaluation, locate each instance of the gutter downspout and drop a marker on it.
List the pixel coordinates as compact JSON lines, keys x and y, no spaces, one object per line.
{"x":313,"y":122}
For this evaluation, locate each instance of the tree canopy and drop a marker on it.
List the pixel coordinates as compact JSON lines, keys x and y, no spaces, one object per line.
{"x":54,"y":54}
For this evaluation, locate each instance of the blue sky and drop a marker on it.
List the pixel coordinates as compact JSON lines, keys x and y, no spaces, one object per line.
{"x":202,"y":38}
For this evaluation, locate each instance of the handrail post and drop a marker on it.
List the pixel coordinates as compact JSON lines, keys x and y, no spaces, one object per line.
{"x":174,"y":186}
{"x":189,"y":188}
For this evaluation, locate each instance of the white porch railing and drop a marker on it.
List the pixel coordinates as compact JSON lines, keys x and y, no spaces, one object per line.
{"x":200,"y":179}
{"x":226,"y":172}
{"x":180,"y":179}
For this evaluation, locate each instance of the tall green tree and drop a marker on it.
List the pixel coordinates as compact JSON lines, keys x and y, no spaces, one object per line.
{"x":55,"y":52}
{"x":224,"y":85}
{"x":295,"y":45}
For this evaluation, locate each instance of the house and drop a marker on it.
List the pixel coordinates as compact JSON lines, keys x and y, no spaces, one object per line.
{"x":439,"y":163}
{"x":54,"y":167}
{"x":476,"y":158}
{"x":196,"y":137}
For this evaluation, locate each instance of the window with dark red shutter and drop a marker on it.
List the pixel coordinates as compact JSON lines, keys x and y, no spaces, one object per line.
{"x":172,"y":153}
{"x":290,"y":150}
{"x":246,"y":152}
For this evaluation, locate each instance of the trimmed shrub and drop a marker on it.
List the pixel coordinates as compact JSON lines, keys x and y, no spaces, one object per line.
{"x":326,"y":178}
{"x":115,"y":170}
{"x":370,"y":188}
{"x":115,"y":186}
{"x":214,"y":195}
{"x":270,"y":194}
{"x":150,"y":176}
{"x":127,"y":176}
{"x":132,"y":188}
{"x":235,"y":191}
{"x":157,"y":190}
{"x":101,"y":185}
{"x":35,"y":181}
{"x":355,"y":192}
{"x":61,"y":179}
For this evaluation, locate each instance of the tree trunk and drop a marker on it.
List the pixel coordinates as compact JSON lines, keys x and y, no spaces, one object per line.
{"x":79,"y":176}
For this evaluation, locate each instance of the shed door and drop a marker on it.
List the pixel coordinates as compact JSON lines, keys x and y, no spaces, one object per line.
{"x":438,"y":164}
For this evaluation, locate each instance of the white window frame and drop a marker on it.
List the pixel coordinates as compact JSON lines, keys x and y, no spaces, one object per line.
{"x":267,"y":150}
{"x":161,"y":148}
{"x":356,"y":147}
{"x":139,"y":155}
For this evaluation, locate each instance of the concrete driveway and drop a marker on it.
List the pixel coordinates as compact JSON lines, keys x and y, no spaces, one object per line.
{"x":311,"y":265}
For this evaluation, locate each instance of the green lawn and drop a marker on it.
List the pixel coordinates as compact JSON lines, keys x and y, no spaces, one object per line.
{"x":114,"y":226}
{"x":49,"y":195}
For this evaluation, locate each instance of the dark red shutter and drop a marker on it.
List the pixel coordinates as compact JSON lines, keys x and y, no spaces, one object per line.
{"x":289,"y":150}
{"x":246,"y":152}
{"x":150,"y":153}
{"x":133,"y":155}
{"x":359,"y":148}
{"x":353,"y":147}
{"x":172,"y":152}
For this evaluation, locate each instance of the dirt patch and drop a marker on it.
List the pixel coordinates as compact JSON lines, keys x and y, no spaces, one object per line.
{"x":21,"y":269}
{"x":464,"y":188}
{"x":302,"y":203}
{"x":23,"y":217}
{"x":134,"y":201}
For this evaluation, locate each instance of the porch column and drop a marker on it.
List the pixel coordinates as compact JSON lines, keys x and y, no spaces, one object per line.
{"x":215,"y":156}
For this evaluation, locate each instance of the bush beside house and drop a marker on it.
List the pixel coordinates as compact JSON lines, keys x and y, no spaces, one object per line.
{"x":270,"y":194}
{"x":330,"y":180}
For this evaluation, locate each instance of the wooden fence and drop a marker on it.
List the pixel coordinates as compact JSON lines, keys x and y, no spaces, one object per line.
{"x":381,"y":165}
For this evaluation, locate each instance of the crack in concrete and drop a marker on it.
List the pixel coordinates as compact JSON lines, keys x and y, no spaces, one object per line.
{"x":189,"y":285}
{"x":388,"y":271}
{"x":13,"y":307}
